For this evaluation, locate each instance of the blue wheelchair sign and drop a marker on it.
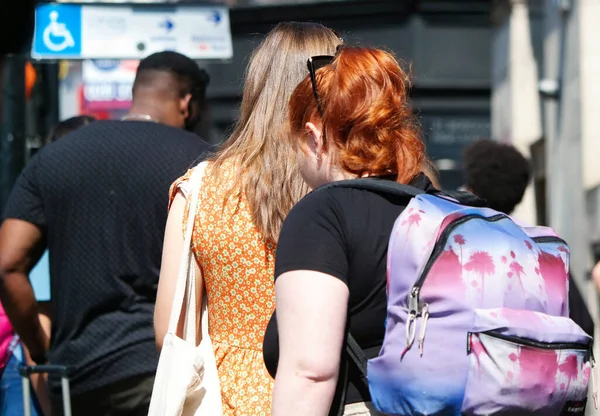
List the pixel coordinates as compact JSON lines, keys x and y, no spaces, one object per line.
{"x":57,"y":31}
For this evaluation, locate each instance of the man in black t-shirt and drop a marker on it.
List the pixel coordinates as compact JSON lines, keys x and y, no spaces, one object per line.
{"x":99,"y":198}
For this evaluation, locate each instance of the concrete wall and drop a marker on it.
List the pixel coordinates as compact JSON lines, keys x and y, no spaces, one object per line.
{"x":570,"y":128}
{"x":589,"y":34}
{"x":516,"y":116}
{"x":569,"y":123}
{"x":519,"y":114}
{"x":589,"y":30}
{"x":563,"y":136}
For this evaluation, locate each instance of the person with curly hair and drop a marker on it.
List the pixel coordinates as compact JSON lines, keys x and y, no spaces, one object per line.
{"x":496,"y":172}
{"x":350,"y":118}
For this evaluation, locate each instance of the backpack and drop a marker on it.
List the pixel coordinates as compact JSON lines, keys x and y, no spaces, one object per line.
{"x":477,"y":314}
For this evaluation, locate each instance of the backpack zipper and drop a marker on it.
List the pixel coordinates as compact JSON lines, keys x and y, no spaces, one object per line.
{"x":531,"y":343}
{"x":413,"y":302}
{"x":416,"y":308}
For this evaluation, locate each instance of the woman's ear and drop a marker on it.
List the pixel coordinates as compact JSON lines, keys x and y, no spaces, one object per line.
{"x":315,"y":138}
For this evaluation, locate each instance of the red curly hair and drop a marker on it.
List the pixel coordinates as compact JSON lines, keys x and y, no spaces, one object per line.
{"x":364,"y":96}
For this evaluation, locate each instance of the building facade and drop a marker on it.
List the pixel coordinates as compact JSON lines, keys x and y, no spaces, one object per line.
{"x":546,"y":80}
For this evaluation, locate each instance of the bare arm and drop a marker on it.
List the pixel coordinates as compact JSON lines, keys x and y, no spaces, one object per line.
{"x":20,"y":244}
{"x":169,"y":271}
{"x":39,"y":381}
{"x":311,"y":319}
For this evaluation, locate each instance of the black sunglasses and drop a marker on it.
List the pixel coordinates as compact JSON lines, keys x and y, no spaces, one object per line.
{"x":315,"y":63}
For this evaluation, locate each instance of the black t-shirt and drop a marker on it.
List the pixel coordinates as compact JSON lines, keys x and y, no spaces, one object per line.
{"x":101,"y":196}
{"x":343,"y":232}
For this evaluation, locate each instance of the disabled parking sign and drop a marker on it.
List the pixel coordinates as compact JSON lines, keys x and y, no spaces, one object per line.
{"x":130,"y":31}
{"x":57,"y":30}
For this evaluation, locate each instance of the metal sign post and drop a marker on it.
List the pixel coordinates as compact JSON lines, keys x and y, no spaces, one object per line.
{"x":12,"y":128}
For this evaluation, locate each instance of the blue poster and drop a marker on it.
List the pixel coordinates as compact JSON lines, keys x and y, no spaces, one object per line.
{"x":57,"y":30}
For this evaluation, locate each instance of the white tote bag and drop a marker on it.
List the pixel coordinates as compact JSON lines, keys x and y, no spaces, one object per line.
{"x":187,"y":382}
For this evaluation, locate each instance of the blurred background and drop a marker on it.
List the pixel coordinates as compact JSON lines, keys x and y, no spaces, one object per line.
{"x":523,"y":72}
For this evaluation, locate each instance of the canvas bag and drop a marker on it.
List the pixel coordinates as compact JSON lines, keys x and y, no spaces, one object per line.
{"x":477,"y":318}
{"x":187,"y":381}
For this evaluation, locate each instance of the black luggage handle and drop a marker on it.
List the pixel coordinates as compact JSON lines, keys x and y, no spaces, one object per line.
{"x":61,"y":370}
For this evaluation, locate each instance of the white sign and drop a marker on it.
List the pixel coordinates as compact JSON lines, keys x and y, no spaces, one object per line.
{"x":107,"y":83}
{"x":75,"y":31}
{"x":109,"y":70}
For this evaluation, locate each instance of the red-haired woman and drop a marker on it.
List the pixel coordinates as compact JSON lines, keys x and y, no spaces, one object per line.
{"x":350,"y":119}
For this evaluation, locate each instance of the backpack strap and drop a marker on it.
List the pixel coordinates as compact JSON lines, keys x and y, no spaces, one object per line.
{"x":357,"y":356}
{"x":389,"y":187}
{"x":378,"y":185}
{"x":464,"y":198}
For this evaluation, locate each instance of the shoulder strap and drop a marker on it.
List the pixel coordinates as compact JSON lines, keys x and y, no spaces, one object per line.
{"x":464,"y":198}
{"x":357,"y":356}
{"x":185,"y":292}
{"x":389,"y":187}
{"x":376,"y":185}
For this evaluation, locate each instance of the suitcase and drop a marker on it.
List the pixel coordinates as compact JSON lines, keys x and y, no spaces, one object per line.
{"x":59,"y":370}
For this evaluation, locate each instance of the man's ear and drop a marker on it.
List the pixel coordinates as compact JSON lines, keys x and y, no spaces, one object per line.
{"x":184,"y":105}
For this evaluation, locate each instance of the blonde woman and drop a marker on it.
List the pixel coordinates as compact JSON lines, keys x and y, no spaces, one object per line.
{"x":246,"y":193}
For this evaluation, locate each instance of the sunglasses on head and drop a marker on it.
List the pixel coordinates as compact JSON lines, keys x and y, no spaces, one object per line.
{"x":315,"y":63}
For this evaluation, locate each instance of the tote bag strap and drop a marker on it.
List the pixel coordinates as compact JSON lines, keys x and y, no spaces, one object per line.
{"x":185,"y":288}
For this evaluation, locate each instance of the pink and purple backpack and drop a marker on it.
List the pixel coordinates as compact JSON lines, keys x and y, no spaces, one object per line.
{"x":477,"y":316}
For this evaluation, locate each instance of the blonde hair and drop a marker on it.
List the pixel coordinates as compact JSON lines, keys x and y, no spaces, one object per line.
{"x":265,"y":161}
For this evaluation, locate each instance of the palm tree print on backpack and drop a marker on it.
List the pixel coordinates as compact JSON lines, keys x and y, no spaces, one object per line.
{"x":482,"y":264}
{"x":414,"y":218}
{"x":570,"y":368}
{"x":515,"y":269}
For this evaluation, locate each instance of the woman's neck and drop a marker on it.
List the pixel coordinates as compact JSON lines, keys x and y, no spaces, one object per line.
{"x":339,"y":174}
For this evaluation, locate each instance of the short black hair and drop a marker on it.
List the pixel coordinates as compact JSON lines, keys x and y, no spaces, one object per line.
{"x":191,"y":78}
{"x":496,"y":172}
{"x":67,"y":126}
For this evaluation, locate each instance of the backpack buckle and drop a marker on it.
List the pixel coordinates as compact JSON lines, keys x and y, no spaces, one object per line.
{"x":425,"y":316}
{"x":415,"y":309}
{"x":411,"y":329}
{"x":411,"y":332}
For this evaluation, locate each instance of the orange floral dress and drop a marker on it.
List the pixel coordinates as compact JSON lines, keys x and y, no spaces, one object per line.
{"x":237,"y":267}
